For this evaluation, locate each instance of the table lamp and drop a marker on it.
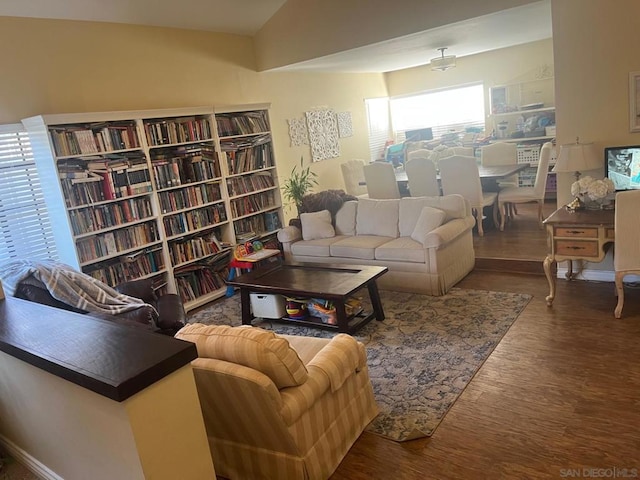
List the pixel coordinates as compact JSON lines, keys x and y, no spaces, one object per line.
{"x":576,"y":158}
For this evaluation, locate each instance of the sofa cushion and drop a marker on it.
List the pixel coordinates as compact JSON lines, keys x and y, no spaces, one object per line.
{"x":403,"y":249}
{"x":360,"y":246}
{"x":346,"y":218}
{"x":249,"y":346}
{"x":315,"y":248}
{"x":317,"y":225}
{"x":377,"y":217}
{"x":411,"y":207}
{"x":430,"y":218}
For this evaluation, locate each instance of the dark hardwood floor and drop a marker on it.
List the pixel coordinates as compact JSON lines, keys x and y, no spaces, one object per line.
{"x":559,"y":394}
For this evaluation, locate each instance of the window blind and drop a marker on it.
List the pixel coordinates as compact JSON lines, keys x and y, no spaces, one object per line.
{"x":379,"y":126}
{"x":449,"y":112}
{"x":25,"y":226}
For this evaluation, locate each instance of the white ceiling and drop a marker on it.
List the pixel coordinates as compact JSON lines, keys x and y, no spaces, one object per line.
{"x":499,"y":30}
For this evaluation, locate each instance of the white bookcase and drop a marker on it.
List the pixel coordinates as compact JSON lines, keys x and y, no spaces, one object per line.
{"x":158,"y":193}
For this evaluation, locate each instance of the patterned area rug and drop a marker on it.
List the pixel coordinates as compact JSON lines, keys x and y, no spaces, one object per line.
{"x":421,"y":357}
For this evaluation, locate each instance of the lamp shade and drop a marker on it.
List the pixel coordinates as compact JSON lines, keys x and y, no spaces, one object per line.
{"x":443,"y":62}
{"x":577,"y":157}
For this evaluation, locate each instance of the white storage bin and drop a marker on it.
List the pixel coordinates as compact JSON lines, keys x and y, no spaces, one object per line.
{"x":265,"y":305}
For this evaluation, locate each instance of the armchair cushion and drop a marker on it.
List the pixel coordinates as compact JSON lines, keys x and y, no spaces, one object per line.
{"x":249,"y":346}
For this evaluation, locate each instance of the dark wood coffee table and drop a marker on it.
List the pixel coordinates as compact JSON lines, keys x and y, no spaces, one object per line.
{"x":311,"y":280}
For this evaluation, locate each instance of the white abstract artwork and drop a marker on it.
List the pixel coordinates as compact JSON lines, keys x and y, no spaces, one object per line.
{"x":345,"y":128}
{"x":298,"y":133}
{"x":323,"y":134}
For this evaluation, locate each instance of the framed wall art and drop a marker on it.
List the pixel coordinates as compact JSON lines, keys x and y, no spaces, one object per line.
{"x":634,"y":101}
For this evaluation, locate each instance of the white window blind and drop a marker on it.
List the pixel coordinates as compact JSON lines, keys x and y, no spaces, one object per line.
{"x":25,"y":227}
{"x":444,"y":111}
{"x":379,"y":126}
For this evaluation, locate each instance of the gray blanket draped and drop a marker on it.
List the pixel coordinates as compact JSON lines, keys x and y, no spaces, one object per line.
{"x":69,"y":286}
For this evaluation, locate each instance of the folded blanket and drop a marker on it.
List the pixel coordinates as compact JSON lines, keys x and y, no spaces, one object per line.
{"x":69,"y":286}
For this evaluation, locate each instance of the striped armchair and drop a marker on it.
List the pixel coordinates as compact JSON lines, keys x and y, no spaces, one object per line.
{"x":279,"y":406}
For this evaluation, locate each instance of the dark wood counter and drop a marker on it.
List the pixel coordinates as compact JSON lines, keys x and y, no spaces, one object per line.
{"x":116,"y":361}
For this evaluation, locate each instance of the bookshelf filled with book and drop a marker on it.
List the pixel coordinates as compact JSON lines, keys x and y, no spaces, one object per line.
{"x":158,"y":193}
{"x":252,"y":184}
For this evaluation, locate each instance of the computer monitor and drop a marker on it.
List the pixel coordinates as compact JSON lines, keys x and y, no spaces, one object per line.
{"x":622,"y":166}
{"x":418,"y":135}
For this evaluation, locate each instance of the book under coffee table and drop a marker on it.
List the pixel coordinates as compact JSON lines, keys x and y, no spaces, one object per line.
{"x":326,"y":281}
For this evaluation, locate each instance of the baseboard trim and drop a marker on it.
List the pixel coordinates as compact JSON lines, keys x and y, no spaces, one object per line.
{"x":30,"y":462}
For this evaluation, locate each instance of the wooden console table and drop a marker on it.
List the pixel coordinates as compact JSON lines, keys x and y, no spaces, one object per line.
{"x":581,"y":235}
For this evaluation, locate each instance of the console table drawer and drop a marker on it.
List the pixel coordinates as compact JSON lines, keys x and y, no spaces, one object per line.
{"x":578,"y":249}
{"x":576,"y":232}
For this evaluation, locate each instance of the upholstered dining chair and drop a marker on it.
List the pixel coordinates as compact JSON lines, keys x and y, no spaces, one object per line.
{"x":381,"y":180}
{"x":353,"y":175}
{"x":459,"y":174}
{"x":422,"y":176}
{"x":500,"y":153}
{"x":626,"y":253}
{"x":466,"y":151}
{"x":514,"y":195}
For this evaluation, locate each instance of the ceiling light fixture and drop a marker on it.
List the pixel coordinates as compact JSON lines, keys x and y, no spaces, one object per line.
{"x":443,"y":62}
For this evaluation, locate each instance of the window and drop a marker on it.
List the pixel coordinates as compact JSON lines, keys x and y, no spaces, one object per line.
{"x":444,"y":111}
{"x":25,"y":227}
{"x":379,"y":126}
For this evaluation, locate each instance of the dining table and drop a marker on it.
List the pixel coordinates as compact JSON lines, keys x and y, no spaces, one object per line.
{"x":489,"y":175}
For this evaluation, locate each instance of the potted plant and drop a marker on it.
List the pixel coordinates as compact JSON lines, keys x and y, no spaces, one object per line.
{"x":298,"y":185}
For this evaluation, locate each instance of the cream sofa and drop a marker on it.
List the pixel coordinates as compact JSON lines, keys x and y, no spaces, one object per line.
{"x":279,"y":406}
{"x":426,"y":242}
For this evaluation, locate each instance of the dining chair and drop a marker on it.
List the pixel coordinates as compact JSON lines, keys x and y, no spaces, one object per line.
{"x":459,"y":174}
{"x":500,"y":153}
{"x":353,"y":175}
{"x":422,"y":176}
{"x":626,"y":253}
{"x":514,"y":195}
{"x":466,"y":151}
{"x":381,"y":180}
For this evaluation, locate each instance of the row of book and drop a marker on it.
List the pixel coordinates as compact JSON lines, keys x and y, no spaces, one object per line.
{"x":203,"y":277}
{"x":110,"y":243}
{"x":194,"y":248}
{"x":191,"y":196}
{"x":104,"y":186}
{"x":129,"y":268}
{"x":197,"y":283}
{"x":250,"y":183}
{"x":245,"y":123}
{"x":185,"y":222}
{"x":252,"y":203}
{"x":185,"y":129}
{"x":176,"y":169}
{"x":254,"y":158}
{"x":251,"y":225}
{"x":94,"y":138}
{"x":109,"y":215}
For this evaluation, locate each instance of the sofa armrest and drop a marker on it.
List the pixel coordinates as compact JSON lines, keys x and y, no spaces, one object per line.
{"x":449,"y":231}
{"x":142,"y":289}
{"x":339,"y":359}
{"x":289,"y":234}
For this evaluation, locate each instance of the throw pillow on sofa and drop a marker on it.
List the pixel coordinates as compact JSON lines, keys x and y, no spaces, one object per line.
{"x":430,"y":218}
{"x":377,"y":217}
{"x":317,"y":225}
